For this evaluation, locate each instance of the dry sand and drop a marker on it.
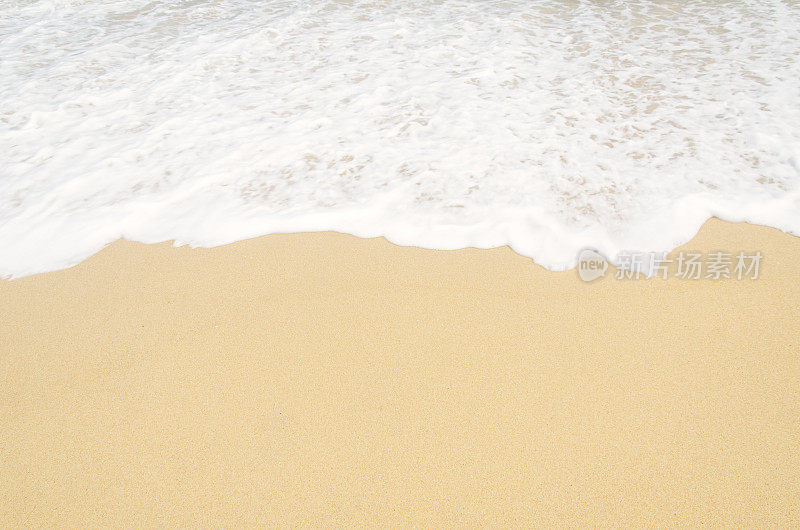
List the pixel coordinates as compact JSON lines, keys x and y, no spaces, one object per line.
{"x":326,"y":379}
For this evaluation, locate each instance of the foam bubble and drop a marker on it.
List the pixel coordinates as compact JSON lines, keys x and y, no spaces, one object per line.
{"x":548,"y":126}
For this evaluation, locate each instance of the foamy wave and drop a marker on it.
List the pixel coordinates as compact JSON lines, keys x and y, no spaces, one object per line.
{"x":548,"y":126}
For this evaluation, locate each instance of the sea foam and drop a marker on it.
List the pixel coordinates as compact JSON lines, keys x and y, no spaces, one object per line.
{"x":548,"y":126}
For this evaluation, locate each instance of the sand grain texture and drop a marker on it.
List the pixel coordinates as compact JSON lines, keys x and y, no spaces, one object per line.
{"x":326,"y":379}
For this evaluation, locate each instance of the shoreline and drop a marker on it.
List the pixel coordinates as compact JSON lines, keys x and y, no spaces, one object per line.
{"x":322,"y":378}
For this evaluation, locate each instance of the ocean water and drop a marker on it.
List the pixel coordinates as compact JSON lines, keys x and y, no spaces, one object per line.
{"x":545,"y":125}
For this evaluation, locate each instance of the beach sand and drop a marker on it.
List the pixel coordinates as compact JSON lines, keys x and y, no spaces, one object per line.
{"x":326,"y":379}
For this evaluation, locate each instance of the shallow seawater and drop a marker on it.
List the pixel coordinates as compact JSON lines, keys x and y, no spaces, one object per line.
{"x":546,"y":125}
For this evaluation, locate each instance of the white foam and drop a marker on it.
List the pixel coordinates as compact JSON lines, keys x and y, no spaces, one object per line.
{"x":549,"y":126}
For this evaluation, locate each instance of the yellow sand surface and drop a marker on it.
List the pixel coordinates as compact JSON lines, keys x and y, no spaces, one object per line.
{"x":323,"y":379}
